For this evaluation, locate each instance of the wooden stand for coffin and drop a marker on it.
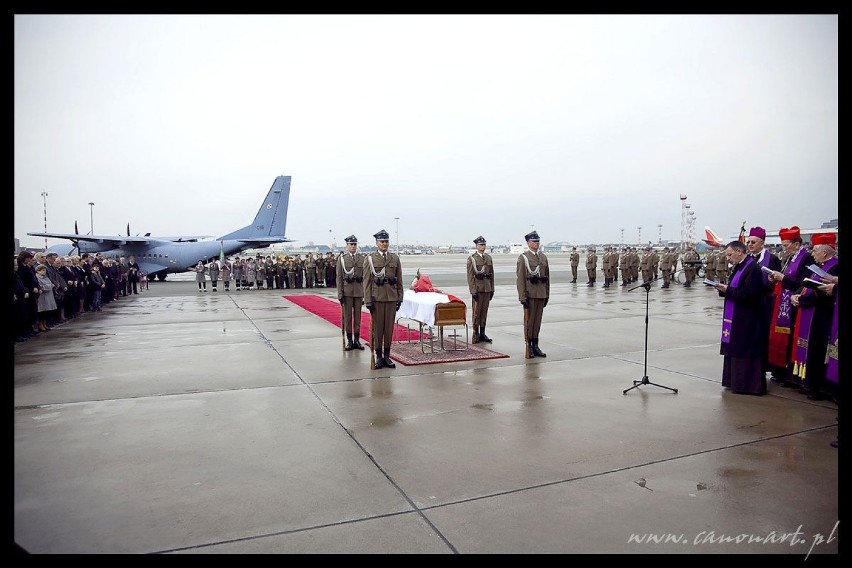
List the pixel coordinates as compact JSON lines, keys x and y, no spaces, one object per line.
{"x":450,"y":314}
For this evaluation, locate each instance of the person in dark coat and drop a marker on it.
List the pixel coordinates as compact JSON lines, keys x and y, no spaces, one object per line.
{"x":28,"y":278}
{"x":743,"y":324}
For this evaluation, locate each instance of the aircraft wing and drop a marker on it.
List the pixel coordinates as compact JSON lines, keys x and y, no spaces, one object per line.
{"x":264,"y":240}
{"x":100,"y":239}
{"x":184,"y":238}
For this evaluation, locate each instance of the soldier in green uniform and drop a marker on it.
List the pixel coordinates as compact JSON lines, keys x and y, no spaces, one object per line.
{"x":624,"y":265}
{"x":606,"y":268}
{"x":310,"y":271}
{"x":613,"y":266}
{"x":690,"y":265}
{"x":533,"y":283}
{"x":721,"y":268}
{"x":350,"y":291}
{"x":710,"y":268}
{"x":635,"y":262}
{"x":575,"y":262}
{"x":646,"y":266}
{"x":591,"y":266}
{"x":666,"y":267}
{"x":383,"y":293}
{"x":480,"y":282}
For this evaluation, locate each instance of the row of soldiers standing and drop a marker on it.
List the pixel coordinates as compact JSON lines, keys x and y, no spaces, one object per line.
{"x":631,"y":265}
{"x":284,"y":272}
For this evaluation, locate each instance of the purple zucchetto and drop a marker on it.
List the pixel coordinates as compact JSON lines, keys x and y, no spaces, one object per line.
{"x":758,"y":232}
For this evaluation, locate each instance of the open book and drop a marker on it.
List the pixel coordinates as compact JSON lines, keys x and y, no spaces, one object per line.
{"x":710,"y":282}
{"x":766,"y":269}
{"x":811,"y":283}
{"x":818,"y":271}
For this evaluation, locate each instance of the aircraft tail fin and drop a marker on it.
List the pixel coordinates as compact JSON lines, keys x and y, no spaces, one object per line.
{"x":711,"y":238}
{"x":271,"y":219}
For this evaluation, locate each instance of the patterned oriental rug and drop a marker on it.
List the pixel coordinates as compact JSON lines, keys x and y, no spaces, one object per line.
{"x":402,"y":351}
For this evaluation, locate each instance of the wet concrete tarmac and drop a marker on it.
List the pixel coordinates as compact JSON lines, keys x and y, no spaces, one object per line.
{"x":177,"y":421}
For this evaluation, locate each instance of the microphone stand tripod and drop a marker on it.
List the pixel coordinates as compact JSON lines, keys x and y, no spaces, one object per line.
{"x":645,"y":381}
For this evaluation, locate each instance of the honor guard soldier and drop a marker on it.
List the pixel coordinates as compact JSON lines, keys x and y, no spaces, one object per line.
{"x":591,"y":266}
{"x":691,"y":260}
{"x":624,"y":265}
{"x":606,"y":265}
{"x":646,"y":266}
{"x":383,"y":293}
{"x":350,"y":292}
{"x":575,"y":262}
{"x":533,"y":282}
{"x":480,"y":282}
{"x":666,"y":267}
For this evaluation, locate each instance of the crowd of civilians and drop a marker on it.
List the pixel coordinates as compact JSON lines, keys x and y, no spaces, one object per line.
{"x":50,"y":289}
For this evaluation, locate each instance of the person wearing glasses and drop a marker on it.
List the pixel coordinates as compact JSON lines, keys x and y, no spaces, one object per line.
{"x":813,"y":321}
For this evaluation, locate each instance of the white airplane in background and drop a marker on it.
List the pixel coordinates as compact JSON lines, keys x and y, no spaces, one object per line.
{"x":160,"y":256}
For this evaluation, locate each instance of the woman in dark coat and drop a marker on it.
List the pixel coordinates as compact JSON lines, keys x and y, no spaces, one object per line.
{"x":28,"y":277}
{"x":742,"y":324}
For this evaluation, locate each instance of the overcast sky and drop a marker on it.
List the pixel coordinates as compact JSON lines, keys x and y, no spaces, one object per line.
{"x":580,"y":126}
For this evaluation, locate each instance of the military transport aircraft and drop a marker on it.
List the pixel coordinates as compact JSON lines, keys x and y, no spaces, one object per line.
{"x":160,"y":256}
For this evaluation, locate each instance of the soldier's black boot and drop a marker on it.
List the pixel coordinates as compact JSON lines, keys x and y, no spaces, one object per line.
{"x":536,"y":351}
{"x":349,"y":346}
{"x":388,"y":361}
{"x":357,"y":343}
{"x":482,"y":336}
{"x":574,"y":281}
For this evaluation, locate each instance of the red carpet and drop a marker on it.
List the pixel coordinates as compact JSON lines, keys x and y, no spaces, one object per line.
{"x":404,"y":353}
{"x":329,"y":310}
